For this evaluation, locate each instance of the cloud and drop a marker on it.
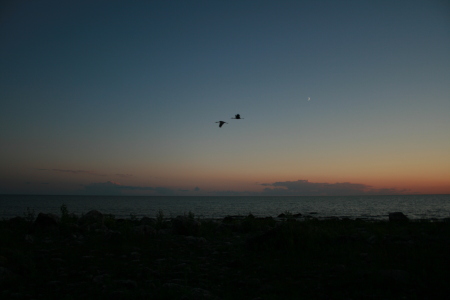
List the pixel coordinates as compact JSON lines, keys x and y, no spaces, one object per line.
{"x":306,"y":188}
{"x":235,"y":193}
{"x":76,"y":172}
{"x":280,"y":188}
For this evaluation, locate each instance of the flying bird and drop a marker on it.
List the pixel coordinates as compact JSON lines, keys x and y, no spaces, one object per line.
{"x":221,"y":123}
{"x":237,"y":117}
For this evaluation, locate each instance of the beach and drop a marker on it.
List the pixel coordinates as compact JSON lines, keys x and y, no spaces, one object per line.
{"x":96,"y":255}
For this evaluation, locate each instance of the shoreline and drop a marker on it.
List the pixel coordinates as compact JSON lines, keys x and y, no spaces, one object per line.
{"x":280,"y":217}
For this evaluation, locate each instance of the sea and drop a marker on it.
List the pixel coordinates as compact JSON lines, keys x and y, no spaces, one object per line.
{"x":416,"y":207}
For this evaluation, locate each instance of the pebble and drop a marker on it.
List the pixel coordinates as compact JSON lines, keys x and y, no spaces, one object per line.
{"x":127,"y":283}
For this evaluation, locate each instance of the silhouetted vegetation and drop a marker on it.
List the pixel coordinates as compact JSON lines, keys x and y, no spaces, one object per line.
{"x":99,"y":256}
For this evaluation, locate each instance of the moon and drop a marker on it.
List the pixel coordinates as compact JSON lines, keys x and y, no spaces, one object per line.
{"x":309,"y":98}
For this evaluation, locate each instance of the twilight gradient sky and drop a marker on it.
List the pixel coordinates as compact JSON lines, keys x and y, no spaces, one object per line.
{"x":120,"y":97}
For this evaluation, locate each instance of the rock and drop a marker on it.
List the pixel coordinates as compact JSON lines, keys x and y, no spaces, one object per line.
{"x":113,"y":235}
{"x":113,"y":295}
{"x":5,"y":274}
{"x":100,"y":279}
{"x":225,"y":227}
{"x":342,"y":239}
{"x":282,"y":215}
{"x":54,"y":283}
{"x":372,"y":239}
{"x":338,"y":269}
{"x":395,"y":276}
{"x":17,"y":222}
{"x":271,"y":238}
{"x":145,"y":230}
{"x":3,"y":260}
{"x":198,"y":293}
{"x":92,"y":217}
{"x":136,"y":256}
{"x":173,"y":286}
{"x":29,"y":238}
{"x":196,"y":240}
{"x":185,"y":225}
{"x":164,"y":231}
{"x":397,"y":217}
{"x":148,"y":221}
{"x":57,"y":260}
{"x":252,"y":282}
{"x":188,"y":292}
{"x":127,"y":283}
{"x":266,"y":289}
{"x":228,"y":219}
{"x":45,"y":221}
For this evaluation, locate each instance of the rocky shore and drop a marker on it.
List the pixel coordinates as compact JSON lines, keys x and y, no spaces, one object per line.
{"x":290,"y":257}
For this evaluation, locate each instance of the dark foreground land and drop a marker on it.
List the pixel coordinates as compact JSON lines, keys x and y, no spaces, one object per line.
{"x":96,"y":256}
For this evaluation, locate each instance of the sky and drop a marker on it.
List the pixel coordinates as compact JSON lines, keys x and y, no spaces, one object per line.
{"x":122,"y":97}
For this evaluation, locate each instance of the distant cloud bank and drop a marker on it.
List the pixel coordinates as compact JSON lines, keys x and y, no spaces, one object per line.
{"x":306,"y":188}
{"x":281,"y":188}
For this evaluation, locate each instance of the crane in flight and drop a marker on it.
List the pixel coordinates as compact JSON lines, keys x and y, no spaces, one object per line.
{"x":221,"y":123}
{"x":237,"y":117}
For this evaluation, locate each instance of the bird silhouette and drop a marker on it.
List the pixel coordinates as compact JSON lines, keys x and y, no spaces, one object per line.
{"x":221,"y":123}
{"x":237,"y":117}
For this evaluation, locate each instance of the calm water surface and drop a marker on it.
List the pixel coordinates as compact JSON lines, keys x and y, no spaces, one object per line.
{"x":371,"y":207}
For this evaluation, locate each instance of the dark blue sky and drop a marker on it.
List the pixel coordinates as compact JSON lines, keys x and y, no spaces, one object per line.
{"x":129,"y":92}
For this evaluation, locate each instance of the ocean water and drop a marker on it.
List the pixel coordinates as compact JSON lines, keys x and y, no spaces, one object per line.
{"x":369,"y":207}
